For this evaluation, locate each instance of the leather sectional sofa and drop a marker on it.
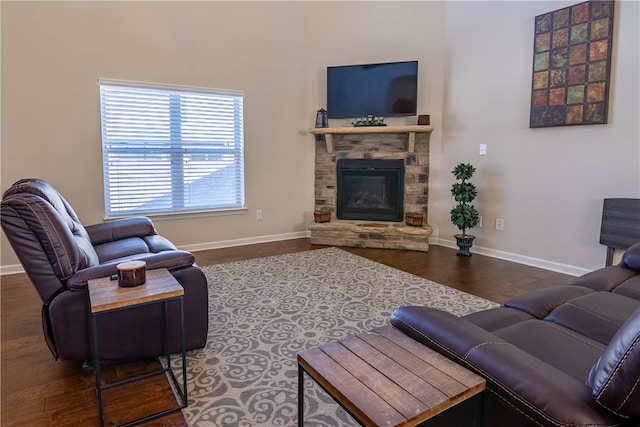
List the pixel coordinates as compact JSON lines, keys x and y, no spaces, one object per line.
{"x":562,"y":356}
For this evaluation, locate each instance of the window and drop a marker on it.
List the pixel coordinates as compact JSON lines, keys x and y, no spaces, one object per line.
{"x":169,"y":149}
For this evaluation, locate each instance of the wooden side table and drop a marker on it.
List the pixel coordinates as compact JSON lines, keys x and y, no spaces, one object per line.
{"x":160,"y":287}
{"x":384,"y":378}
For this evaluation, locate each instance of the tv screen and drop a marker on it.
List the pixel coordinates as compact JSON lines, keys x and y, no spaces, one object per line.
{"x":387,"y":89}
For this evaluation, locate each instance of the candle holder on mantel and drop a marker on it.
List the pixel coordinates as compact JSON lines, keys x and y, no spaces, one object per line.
{"x":321,"y":215}
{"x":414,"y":219}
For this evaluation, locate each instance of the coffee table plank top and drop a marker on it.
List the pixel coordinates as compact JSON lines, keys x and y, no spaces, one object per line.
{"x":445,"y":365}
{"x":384,"y":385}
{"x":351,"y":390}
{"x":105,"y":294}
{"x":414,"y":375}
{"x":383,"y":377}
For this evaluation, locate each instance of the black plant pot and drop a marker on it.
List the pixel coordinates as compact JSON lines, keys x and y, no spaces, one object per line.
{"x":464,"y":243}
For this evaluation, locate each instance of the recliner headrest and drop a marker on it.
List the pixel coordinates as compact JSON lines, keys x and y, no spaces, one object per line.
{"x":39,"y":192}
{"x":47,"y":192}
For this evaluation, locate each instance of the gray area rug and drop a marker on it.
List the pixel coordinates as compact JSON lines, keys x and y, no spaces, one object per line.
{"x":263,"y":311}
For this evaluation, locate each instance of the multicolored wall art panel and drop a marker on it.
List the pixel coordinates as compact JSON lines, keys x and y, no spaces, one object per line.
{"x":572,"y":65}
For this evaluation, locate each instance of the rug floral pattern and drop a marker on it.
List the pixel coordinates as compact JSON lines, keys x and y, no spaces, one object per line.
{"x":263,"y":311}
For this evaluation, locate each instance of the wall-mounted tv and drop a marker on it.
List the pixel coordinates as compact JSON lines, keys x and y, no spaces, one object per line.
{"x":386,"y":89}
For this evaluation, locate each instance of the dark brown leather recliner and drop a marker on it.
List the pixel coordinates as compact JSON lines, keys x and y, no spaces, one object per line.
{"x":60,"y":255}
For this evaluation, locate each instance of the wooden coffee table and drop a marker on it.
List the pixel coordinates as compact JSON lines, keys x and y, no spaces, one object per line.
{"x":384,"y":378}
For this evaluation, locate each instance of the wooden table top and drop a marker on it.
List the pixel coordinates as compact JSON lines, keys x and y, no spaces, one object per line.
{"x":383,"y":377}
{"x":105,"y":294}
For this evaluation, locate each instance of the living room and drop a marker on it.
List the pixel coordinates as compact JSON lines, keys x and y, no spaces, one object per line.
{"x":475,"y":61}
{"x":475,"y":78}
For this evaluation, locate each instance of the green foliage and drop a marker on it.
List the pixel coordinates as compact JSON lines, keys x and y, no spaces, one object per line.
{"x":464,"y":192}
{"x":463,"y":172}
{"x":464,"y":215}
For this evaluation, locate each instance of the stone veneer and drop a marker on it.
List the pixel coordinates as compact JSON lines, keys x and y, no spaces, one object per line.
{"x":374,"y":234}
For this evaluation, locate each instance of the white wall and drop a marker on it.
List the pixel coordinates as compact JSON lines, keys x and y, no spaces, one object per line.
{"x":547,"y":183}
{"x":54,"y":52}
{"x":475,"y":75}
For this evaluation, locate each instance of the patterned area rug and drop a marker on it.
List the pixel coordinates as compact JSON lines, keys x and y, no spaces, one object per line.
{"x":263,"y":311}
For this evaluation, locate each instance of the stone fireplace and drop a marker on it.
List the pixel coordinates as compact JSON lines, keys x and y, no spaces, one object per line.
{"x":367,"y":218}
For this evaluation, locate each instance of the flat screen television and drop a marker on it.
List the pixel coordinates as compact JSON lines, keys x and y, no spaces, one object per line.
{"x":386,"y":89}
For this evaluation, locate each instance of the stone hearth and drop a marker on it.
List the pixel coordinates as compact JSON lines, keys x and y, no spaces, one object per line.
{"x":346,"y":143}
{"x":377,"y":234}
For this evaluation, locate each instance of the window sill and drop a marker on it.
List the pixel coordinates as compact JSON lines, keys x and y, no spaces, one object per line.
{"x":184,"y":215}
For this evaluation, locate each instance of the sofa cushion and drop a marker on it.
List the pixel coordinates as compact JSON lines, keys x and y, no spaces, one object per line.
{"x":560,"y":347}
{"x":604,"y":279}
{"x":615,"y":378}
{"x":598,"y":315}
{"x":120,"y":249}
{"x":541,"y":302}
{"x":629,"y":288}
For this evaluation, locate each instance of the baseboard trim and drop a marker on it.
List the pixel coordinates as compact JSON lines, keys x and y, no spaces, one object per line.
{"x":247,"y":241}
{"x":520,"y":259}
{"x":5,"y":270}
{"x":507,"y":256}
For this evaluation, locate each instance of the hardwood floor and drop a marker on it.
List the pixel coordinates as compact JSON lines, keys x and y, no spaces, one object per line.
{"x":39,"y":391}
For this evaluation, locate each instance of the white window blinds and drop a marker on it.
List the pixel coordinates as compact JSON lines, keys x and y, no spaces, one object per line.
{"x":171,"y":149}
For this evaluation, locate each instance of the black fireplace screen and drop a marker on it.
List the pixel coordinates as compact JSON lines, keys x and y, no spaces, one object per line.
{"x":370,"y":189}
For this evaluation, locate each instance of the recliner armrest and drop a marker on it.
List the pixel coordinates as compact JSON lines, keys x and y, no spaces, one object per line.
{"x":171,"y":260}
{"x":118,"y":229}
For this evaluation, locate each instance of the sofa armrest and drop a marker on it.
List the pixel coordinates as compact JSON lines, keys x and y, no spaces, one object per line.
{"x":119,"y":229}
{"x":525,"y":382}
{"x":171,"y":260}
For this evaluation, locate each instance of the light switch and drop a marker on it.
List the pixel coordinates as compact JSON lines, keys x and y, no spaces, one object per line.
{"x":483,"y":149}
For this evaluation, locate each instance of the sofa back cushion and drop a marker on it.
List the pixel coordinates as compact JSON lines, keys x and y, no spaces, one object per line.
{"x":615,"y":378}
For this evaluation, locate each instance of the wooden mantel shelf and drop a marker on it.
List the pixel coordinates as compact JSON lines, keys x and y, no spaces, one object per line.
{"x":411,"y":130}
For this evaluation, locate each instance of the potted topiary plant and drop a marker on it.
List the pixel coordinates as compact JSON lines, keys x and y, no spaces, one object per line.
{"x":464,"y":215}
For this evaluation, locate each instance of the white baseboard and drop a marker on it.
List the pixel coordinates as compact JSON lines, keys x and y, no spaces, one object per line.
{"x":507,"y":256}
{"x":520,"y":259}
{"x":247,"y":241}
{"x":11,"y":269}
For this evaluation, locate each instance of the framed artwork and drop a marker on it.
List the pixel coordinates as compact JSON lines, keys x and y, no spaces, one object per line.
{"x":572,"y":65}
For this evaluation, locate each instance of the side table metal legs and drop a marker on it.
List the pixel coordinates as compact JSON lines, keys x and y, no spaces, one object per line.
{"x":181,"y":391}
{"x":300,"y":396}
{"x":96,"y":367}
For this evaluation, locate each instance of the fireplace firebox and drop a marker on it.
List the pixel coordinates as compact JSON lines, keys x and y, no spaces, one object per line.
{"x":370,"y":190}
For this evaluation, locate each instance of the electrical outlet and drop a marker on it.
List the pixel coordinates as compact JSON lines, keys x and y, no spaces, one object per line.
{"x":499,"y":224}
{"x":480,"y":221}
{"x":259,"y":214}
{"x":483,"y":150}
